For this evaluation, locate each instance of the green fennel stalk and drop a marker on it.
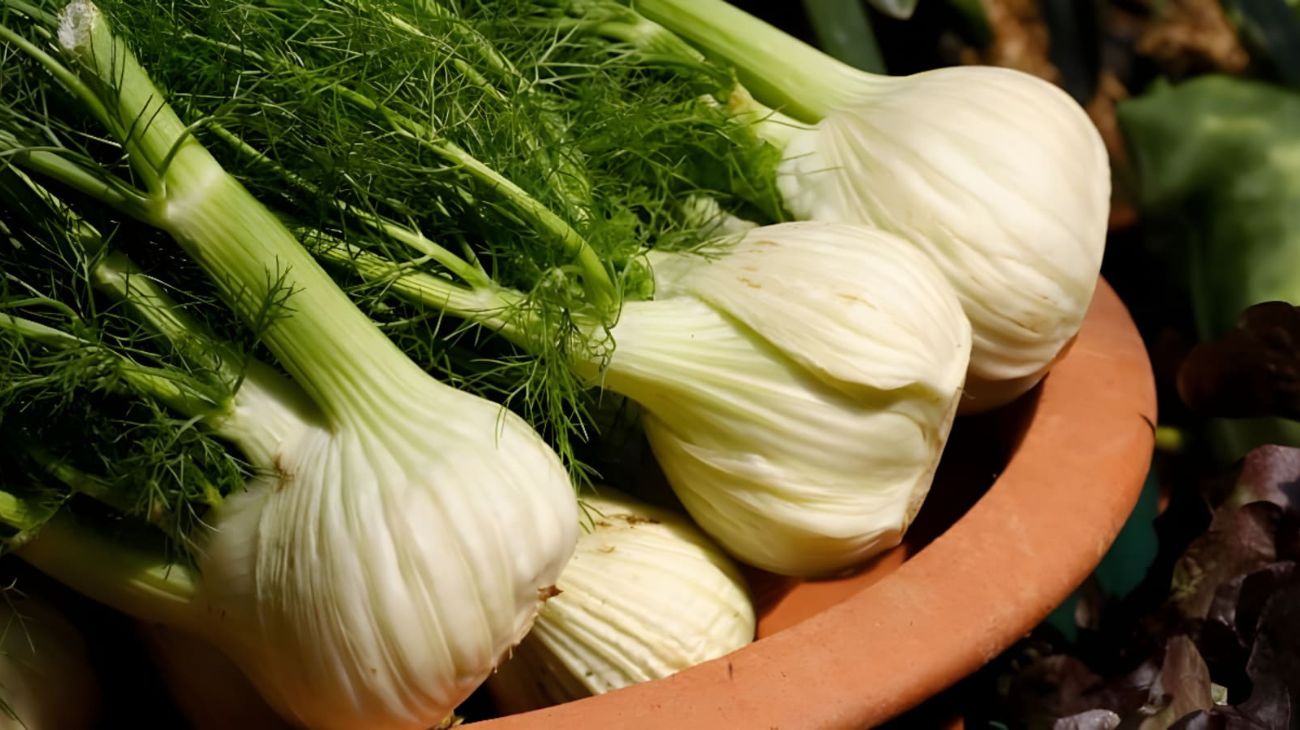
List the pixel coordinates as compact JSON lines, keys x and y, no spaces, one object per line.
{"x":782,"y":72}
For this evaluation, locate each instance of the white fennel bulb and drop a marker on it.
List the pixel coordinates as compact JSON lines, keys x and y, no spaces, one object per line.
{"x":46,"y":682}
{"x":798,"y":389}
{"x":376,"y":580}
{"x":999,"y":176}
{"x":646,"y":595}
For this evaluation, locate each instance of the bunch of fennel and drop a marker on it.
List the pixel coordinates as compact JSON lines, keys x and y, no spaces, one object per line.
{"x":505,"y":164}
{"x":998,"y":176}
{"x":396,"y":537}
{"x":797,"y":384}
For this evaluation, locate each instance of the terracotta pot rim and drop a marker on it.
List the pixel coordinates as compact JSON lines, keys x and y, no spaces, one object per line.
{"x":993,"y":575}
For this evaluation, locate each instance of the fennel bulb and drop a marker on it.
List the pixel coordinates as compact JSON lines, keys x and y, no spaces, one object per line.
{"x":999,"y":176}
{"x":399,"y":540}
{"x":646,"y":595}
{"x":46,"y":682}
{"x":798,"y":388}
{"x":377,"y":579}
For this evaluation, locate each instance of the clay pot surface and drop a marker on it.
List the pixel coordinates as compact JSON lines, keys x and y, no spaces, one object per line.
{"x":1025,"y":505}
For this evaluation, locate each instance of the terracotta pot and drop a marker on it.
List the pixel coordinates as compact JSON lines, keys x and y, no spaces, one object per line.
{"x":1027,"y":501}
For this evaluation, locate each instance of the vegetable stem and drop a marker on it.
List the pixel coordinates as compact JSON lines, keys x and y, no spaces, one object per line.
{"x":344,"y":362}
{"x":118,"y":276}
{"x":486,"y":52}
{"x":655,"y":42}
{"x":105,"y":188}
{"x":497,"y":309}
{"x":22,"y":516}
{"x":132,"y":579}
{"x":37,"y":332}
{"x":651,"y":39}
{"x":781,"y":71}
{"x":178,"y":392}
{"x":78,"y":481}
{"x":601,"y":292}
{"x":569,"y":177}
{"x":258,"y":406}
{"x":30,"y":11}
{"x":414,"y":239}
{"x":502,"y":310}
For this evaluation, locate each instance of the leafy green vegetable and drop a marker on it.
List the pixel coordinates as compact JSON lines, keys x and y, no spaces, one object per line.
{"x":1218,"y":167}
{"x":1220,"y":651}
{"x":1253,"y":370}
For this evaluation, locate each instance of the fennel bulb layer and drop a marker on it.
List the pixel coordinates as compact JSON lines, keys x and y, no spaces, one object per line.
{"x":998,"y":176}
{"x":646,"y":595}
{"x":798,"y":389}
